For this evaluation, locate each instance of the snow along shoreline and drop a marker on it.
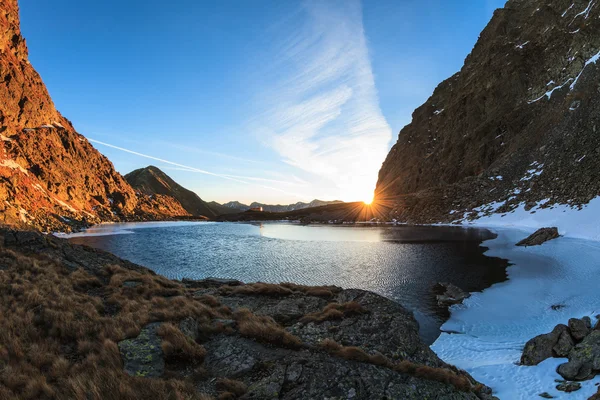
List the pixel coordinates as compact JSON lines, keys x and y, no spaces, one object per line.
{"x":495,"y":324}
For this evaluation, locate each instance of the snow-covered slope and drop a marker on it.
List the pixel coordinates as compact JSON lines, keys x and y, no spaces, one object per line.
{"x":492,"y":327}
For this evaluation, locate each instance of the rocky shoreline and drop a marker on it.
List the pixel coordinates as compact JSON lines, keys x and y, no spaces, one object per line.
{"x":82,"y":321}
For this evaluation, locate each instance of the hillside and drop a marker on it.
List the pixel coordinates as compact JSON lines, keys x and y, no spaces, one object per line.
{"x":51,"y":177}
{"x":152,"y":181}
{"x":517,"y":125}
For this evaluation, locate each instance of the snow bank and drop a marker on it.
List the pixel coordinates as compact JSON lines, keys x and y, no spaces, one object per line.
{"x":494,"y":325}
{"x":570,"y":221}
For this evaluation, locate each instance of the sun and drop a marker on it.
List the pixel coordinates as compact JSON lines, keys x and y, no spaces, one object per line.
{"x":368,"y":200}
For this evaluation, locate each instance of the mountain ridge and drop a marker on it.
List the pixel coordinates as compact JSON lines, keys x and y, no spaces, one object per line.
{"x":51,"y":177}
{"x":236,"y":205}
{"x":516,"y":125}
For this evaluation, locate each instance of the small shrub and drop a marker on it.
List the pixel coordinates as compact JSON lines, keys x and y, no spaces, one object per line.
{"x":231,"y":386}
{"x":264,"y":329}
{"x":335,"y":311}
{"x":176,"y":345}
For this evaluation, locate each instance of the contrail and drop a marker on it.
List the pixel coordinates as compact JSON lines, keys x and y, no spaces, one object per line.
{"x":192,"y":169}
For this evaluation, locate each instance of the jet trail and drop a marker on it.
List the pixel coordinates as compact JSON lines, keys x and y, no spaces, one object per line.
{"x":192,"y":169}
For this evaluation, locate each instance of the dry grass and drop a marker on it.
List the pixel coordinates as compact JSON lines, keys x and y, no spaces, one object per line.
{"x":59,"y":342}
{"x":280,"y":290}
{"x":230,"y":388}
{"x":335,"y":311}
{"x":264,"y":329}
{"x":176,"y":345}
{"x":443,"y":375}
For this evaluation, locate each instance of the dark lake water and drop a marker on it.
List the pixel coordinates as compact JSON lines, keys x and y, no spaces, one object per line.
{"x":399,"y":262}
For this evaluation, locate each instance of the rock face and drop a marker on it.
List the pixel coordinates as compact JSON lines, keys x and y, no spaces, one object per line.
{"x":185,"y":339}
{"x":143,"y":356}
{"x":51,"y":177}
{"x":517,"y":124}
{"x":152,"y":181}
{"x":540,"y":236}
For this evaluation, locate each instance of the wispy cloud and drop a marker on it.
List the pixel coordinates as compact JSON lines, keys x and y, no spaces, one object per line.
{"x":320,"y":110}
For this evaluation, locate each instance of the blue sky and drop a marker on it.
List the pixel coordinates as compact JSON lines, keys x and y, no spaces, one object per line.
{"x":271,"y":101}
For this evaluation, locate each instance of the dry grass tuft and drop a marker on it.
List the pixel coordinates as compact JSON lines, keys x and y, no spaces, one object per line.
{"x":335,"y":311}
{"x":231,"y":388}
{"x":443,"y":375}
{"x":176,"y":345}
{"x":264,"y":329}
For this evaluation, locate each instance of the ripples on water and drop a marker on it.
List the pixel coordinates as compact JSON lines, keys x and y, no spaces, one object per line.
{"x":401,"y":263}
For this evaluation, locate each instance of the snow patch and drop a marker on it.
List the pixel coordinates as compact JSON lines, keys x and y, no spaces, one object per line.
{"x":438,"y":112}
{"x":520,"y":46}
{"x":65,"y":205}
{"x":586,"y":11}
{"x":567,"y":10}
{"x":10,"y":163}
{"x":573,"y":81}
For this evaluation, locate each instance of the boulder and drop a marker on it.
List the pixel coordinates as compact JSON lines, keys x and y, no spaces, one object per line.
{"x":568,"y":386}
{"x":540,"y":236}
{"x":584,"y":359}
{"x":564,"y":345}
{"x":580,"y":328}
{"x":449,"y":294}
{"x":143,"y":356}
{"x":541,"y":347}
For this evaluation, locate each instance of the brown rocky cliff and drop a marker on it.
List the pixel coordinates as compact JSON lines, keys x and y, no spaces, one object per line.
{"x":51,"y":177}
{"x":490,"y":132}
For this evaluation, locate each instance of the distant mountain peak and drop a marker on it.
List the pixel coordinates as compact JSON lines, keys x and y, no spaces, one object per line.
{"x":236,"y":205}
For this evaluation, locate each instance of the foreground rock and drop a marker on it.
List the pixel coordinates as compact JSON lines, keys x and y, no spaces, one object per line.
{"x":108,"y":328}
{"x":142,"y":356}
{"x":540,"y":236}
{"x":577,"y":341}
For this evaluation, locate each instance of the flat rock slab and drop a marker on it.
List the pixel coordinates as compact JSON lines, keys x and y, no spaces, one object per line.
{"x":540,"y":236}
{"x":143,"y":356}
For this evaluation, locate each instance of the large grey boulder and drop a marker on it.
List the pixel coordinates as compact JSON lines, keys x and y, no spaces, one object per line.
{"x":584,"y":359}
{"x":565,"y":343}
{"x":580,"y":327}
{"x":542,"y":347}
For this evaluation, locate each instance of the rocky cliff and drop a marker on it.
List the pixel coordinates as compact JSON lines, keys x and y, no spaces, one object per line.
{"x":51,"y":177}
{"x":517,"y":125}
